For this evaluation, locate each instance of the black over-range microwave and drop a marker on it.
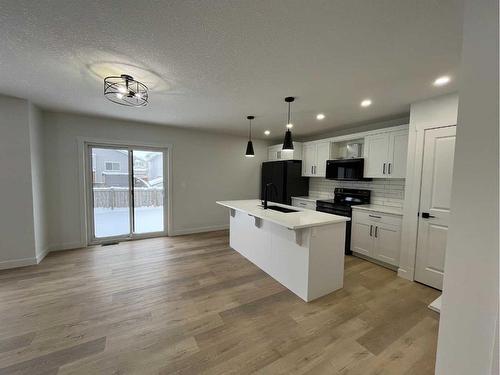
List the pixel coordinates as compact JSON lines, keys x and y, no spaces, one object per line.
{"x":345,"y":169}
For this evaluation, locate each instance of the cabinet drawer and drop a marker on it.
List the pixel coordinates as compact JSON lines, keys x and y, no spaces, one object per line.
{"x":376,"y":217}
{"x":304,"y":204}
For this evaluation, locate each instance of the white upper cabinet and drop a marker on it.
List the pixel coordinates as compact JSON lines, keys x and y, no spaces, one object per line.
{"x":308,"y":159}
{"x":376,"y":155}
{"x":276,"y":153}
{"x":398,"y":150}
{"x":385,"y":154}
{"x":314,"y":157}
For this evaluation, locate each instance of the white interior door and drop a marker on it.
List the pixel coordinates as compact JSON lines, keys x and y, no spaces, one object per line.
{"x":437,"y":174}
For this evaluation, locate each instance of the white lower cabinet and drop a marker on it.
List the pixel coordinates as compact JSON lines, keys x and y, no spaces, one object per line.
{"x":376,"y":235}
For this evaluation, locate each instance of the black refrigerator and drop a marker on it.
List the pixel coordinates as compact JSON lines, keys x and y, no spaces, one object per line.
{"x":286,"y":175}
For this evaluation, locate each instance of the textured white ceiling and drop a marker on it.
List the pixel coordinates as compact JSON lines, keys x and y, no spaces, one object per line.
{"x":211,"y":63}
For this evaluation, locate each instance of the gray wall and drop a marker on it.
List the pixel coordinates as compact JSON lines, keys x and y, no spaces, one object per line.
{"x":206,"y":167}
{"x":469,"y":312}
{"x":17,"y":237}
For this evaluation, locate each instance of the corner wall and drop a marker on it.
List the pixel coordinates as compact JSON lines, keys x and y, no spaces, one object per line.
{"x":17,"y":233}
{"x":38,"y":182}
{"x":469,"y":310}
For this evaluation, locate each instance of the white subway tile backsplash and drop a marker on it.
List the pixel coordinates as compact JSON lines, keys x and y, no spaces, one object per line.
{"x":386,"y":192}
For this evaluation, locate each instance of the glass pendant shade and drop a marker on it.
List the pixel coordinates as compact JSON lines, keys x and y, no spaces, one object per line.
{"x":288,"y":142}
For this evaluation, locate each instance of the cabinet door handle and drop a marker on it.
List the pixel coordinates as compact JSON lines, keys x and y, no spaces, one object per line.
{"x":312,"y":169}
{"x":389,"y":169}
{"x":371,"y":230}
{"x":376,"y":230}
{"x":377,"y":217}
{"x":383,"y":169}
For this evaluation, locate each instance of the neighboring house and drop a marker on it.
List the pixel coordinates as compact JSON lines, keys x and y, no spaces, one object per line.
{"x":110,"y":168}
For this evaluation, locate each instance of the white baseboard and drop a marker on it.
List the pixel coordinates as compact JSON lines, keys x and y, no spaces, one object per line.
{"x":66,"y":246}
{"x":43,"y":254}
{"x":180,"y":232}
{"x":405,"y":274}
{"x":17,"y":263}
{"x":436,"y":305}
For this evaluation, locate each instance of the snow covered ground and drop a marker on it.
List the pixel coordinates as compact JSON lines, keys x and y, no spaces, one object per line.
{"x":114,"y":222}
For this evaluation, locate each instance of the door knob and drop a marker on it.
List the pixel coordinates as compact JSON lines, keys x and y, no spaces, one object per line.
{"x":425,"y":215}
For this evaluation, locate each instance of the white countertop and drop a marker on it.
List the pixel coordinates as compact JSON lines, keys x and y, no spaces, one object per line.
{"x":307,"y":198}
{"x":379,"y":208}
{"x":293,"y":220}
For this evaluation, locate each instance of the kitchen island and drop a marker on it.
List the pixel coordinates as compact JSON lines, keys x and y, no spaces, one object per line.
{"x":302,"y":249}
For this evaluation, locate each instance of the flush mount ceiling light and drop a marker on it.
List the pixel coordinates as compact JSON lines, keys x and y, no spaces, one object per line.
{"x":250,"y":153}
{"x":124,"y":90}
{"x":441,"y":81}
{"x":288,"y":142}
{"x":267,"y":132}
{"x":320,"y":116}
{"x":366,"y":103}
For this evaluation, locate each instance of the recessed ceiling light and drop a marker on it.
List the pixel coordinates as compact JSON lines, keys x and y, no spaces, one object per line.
{"x":267,"y":132}
{"x":320,"y":116}
{"x":366,"y":103}
{"x":441,"y":81}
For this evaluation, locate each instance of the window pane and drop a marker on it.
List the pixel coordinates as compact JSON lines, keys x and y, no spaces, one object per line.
{"x":110,"y":192}
{"x":148,"y":191}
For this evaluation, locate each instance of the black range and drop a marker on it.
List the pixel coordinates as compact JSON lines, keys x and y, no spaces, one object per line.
{"x":341,"y":205}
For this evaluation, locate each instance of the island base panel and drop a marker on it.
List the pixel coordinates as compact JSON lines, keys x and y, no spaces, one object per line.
{"x":310,"y":263}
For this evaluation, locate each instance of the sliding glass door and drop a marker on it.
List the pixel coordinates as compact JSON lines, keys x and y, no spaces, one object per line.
{"x":126,"y":192}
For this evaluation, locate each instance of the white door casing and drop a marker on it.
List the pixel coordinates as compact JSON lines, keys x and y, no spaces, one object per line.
{"x":435,"y":197}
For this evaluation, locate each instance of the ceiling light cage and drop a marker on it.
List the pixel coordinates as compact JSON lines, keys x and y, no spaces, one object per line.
{"x":124,"y":90}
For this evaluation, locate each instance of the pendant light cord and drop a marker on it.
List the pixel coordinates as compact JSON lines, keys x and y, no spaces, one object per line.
{"x":250,"y":130}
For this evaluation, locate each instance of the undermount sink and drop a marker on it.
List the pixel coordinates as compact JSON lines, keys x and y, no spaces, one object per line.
{"x":281,"y":209}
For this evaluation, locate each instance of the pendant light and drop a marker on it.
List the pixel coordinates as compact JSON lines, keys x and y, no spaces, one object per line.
{"x":287,"y":142}
{"x":249,"y":153}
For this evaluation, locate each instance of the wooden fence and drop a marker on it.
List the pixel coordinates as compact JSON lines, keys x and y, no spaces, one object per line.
{"x":119,"y":197}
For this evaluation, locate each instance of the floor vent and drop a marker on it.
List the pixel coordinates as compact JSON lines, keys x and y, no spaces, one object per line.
{"x":109,"y":243}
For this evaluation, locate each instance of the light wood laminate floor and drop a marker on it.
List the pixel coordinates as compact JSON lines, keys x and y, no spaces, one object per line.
{"x":191,"y":305}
